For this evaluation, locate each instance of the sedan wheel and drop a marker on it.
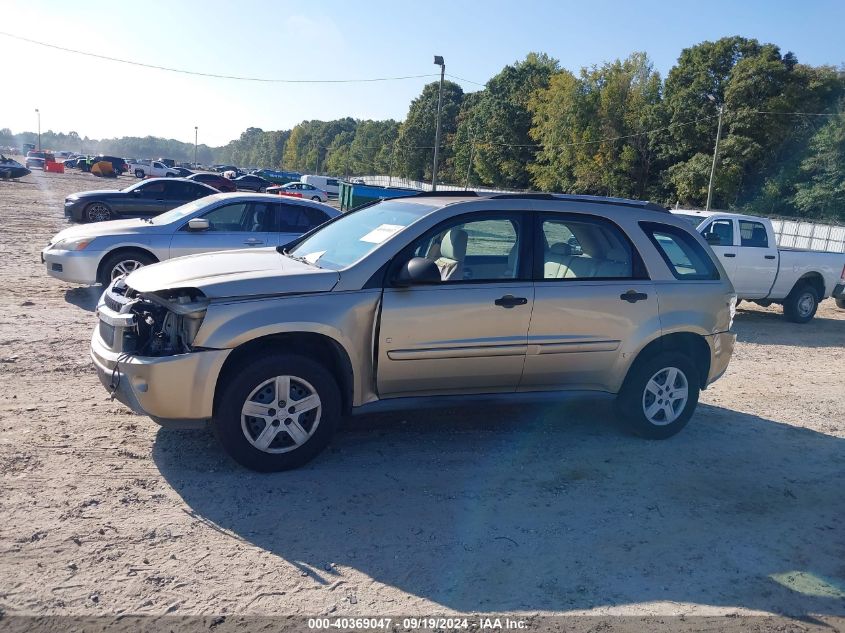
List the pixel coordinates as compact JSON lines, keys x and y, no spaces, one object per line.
{"x":97,"y":212}
{"x":125,"y":267}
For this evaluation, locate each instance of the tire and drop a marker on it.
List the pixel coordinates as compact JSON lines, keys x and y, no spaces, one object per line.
{"x":297,"y":439}
{"x":801,"y":304}
{"x":139,"y":173}
{"x":97,"y":212}
{"x":638,"y":395}
{"x":840,"y":303}
{"x":316,"y":198}
{"x":170,"y":174}
{"x":122,"y":262}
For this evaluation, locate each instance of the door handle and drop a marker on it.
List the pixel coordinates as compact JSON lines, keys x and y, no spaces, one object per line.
{"x":769,"y":256}
{"x":509,"y":301}
{"x":729,"y":254}
{"x":632,"y":296}
{"x":253,"y":242}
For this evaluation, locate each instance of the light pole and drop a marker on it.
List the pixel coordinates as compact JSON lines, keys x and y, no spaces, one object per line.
{"x":715,"y":153}
{"x":196,"y":132}
{"x":39,"y":128}
{"x":438,"y":60}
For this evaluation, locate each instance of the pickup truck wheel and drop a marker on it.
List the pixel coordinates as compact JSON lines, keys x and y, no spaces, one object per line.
{"x":97,"y":212}
{"x":139,"y":173}
{"x":801,"y":304}
{"x":122,"y":263}
{"x":277,"y":412}
{"x":840,"y":303}
{"x":659,"y":395}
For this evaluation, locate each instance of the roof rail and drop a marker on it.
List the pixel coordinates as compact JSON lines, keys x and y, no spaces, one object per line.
{"x":622,"y":202}
{"x":446,"y":194}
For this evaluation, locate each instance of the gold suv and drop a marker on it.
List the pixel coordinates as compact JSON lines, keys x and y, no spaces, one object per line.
{"x":422,"y":300}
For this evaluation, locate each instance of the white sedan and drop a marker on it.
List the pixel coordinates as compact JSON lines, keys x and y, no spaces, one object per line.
{"x":300,"y":190}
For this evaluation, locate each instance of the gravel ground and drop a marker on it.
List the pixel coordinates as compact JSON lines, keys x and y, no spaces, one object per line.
{"x":538,"y":510}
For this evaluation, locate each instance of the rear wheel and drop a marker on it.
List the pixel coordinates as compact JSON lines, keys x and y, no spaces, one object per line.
{"x":276,"y":412}
{"x":840,"y":303}
{"x":139,"y":173}
{"x":659,"y":395}
{"x":122,"y":263}
{"x":801,"y":304}
{"x":316,"y":198}
{"x":97,"y":212}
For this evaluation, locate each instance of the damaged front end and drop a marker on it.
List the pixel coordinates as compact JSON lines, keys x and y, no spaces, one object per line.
{"x":150,"y":324}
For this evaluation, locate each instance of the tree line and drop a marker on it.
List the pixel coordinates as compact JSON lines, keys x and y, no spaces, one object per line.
{"x":616,"y":129}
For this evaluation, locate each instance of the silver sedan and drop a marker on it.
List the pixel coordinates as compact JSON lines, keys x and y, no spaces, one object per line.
{"x":99,"y":253}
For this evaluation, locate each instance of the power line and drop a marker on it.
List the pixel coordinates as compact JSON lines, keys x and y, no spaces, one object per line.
{"x":212,"y":75}
{"x":469,"y":81}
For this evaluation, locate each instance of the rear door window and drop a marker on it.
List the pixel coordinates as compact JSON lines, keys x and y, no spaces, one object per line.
{"x":682,"y":253}
{"x":584,"y":248}
{"x":753,"y":234}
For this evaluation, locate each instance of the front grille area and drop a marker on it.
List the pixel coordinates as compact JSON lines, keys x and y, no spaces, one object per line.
{"x":107,"y":333}
{"x":112,"y":303}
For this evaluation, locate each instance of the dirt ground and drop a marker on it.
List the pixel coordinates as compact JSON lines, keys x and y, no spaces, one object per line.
{"x":524,"y":510}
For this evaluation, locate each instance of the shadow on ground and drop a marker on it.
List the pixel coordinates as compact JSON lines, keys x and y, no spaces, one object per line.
{"x":84,"y":297}
{"x":754,"y":325}
{"x":551,"y":508}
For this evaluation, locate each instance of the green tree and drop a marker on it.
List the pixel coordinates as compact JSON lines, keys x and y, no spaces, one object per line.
{"x":415,"y":142}
{"x":595,"y":129}
{"x":820,"y":191}
{"x":497,"y":125}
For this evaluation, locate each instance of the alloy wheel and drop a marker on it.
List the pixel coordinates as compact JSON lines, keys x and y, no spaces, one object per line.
{"x":665,"y":396}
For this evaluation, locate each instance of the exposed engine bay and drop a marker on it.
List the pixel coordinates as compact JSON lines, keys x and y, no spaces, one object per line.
{"x":152,"y":323}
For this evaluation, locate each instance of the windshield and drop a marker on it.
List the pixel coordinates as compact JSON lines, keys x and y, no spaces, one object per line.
{"x":135,"y":185}
{"x":355,"y":235}
{"x":181,"y":212}
{"x":695,"y":220}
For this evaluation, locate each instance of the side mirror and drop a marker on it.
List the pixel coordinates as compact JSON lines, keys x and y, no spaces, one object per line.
{"x":198,"y":224}
{"x":417,"y":271}
{"x":713,"y":239}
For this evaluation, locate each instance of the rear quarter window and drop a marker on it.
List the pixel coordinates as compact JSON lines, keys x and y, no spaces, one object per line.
{"x":685,"y":257}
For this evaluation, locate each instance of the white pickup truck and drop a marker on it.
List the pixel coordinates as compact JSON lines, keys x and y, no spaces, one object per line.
{"x":765,"y":274}
{"x":151,"y":169}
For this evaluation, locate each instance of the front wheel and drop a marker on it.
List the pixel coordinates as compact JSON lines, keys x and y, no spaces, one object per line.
{"x":139,"y":173}
{"x":276,"y":412}
{"x":840,"y":303}
{"x":659,"y":395}
{"x":316,"y":198}
{"x":801,"y":304}
{"x":98,"y":212}
{"x":122,"y":263}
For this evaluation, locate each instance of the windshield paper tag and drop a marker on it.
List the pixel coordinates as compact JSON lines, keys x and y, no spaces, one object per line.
{"x":381,"y":233}
{"x":312,"y":258}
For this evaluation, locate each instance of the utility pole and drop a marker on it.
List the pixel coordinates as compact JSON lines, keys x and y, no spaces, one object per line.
{"x":715,"y":154}
{"x":196,"y":132}
{"x":438,"y":60}
{"x":469,"y":164}
{"x":37,"y":111}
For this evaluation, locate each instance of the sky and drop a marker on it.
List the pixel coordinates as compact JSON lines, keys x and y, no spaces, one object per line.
{"x":315,"y":40}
